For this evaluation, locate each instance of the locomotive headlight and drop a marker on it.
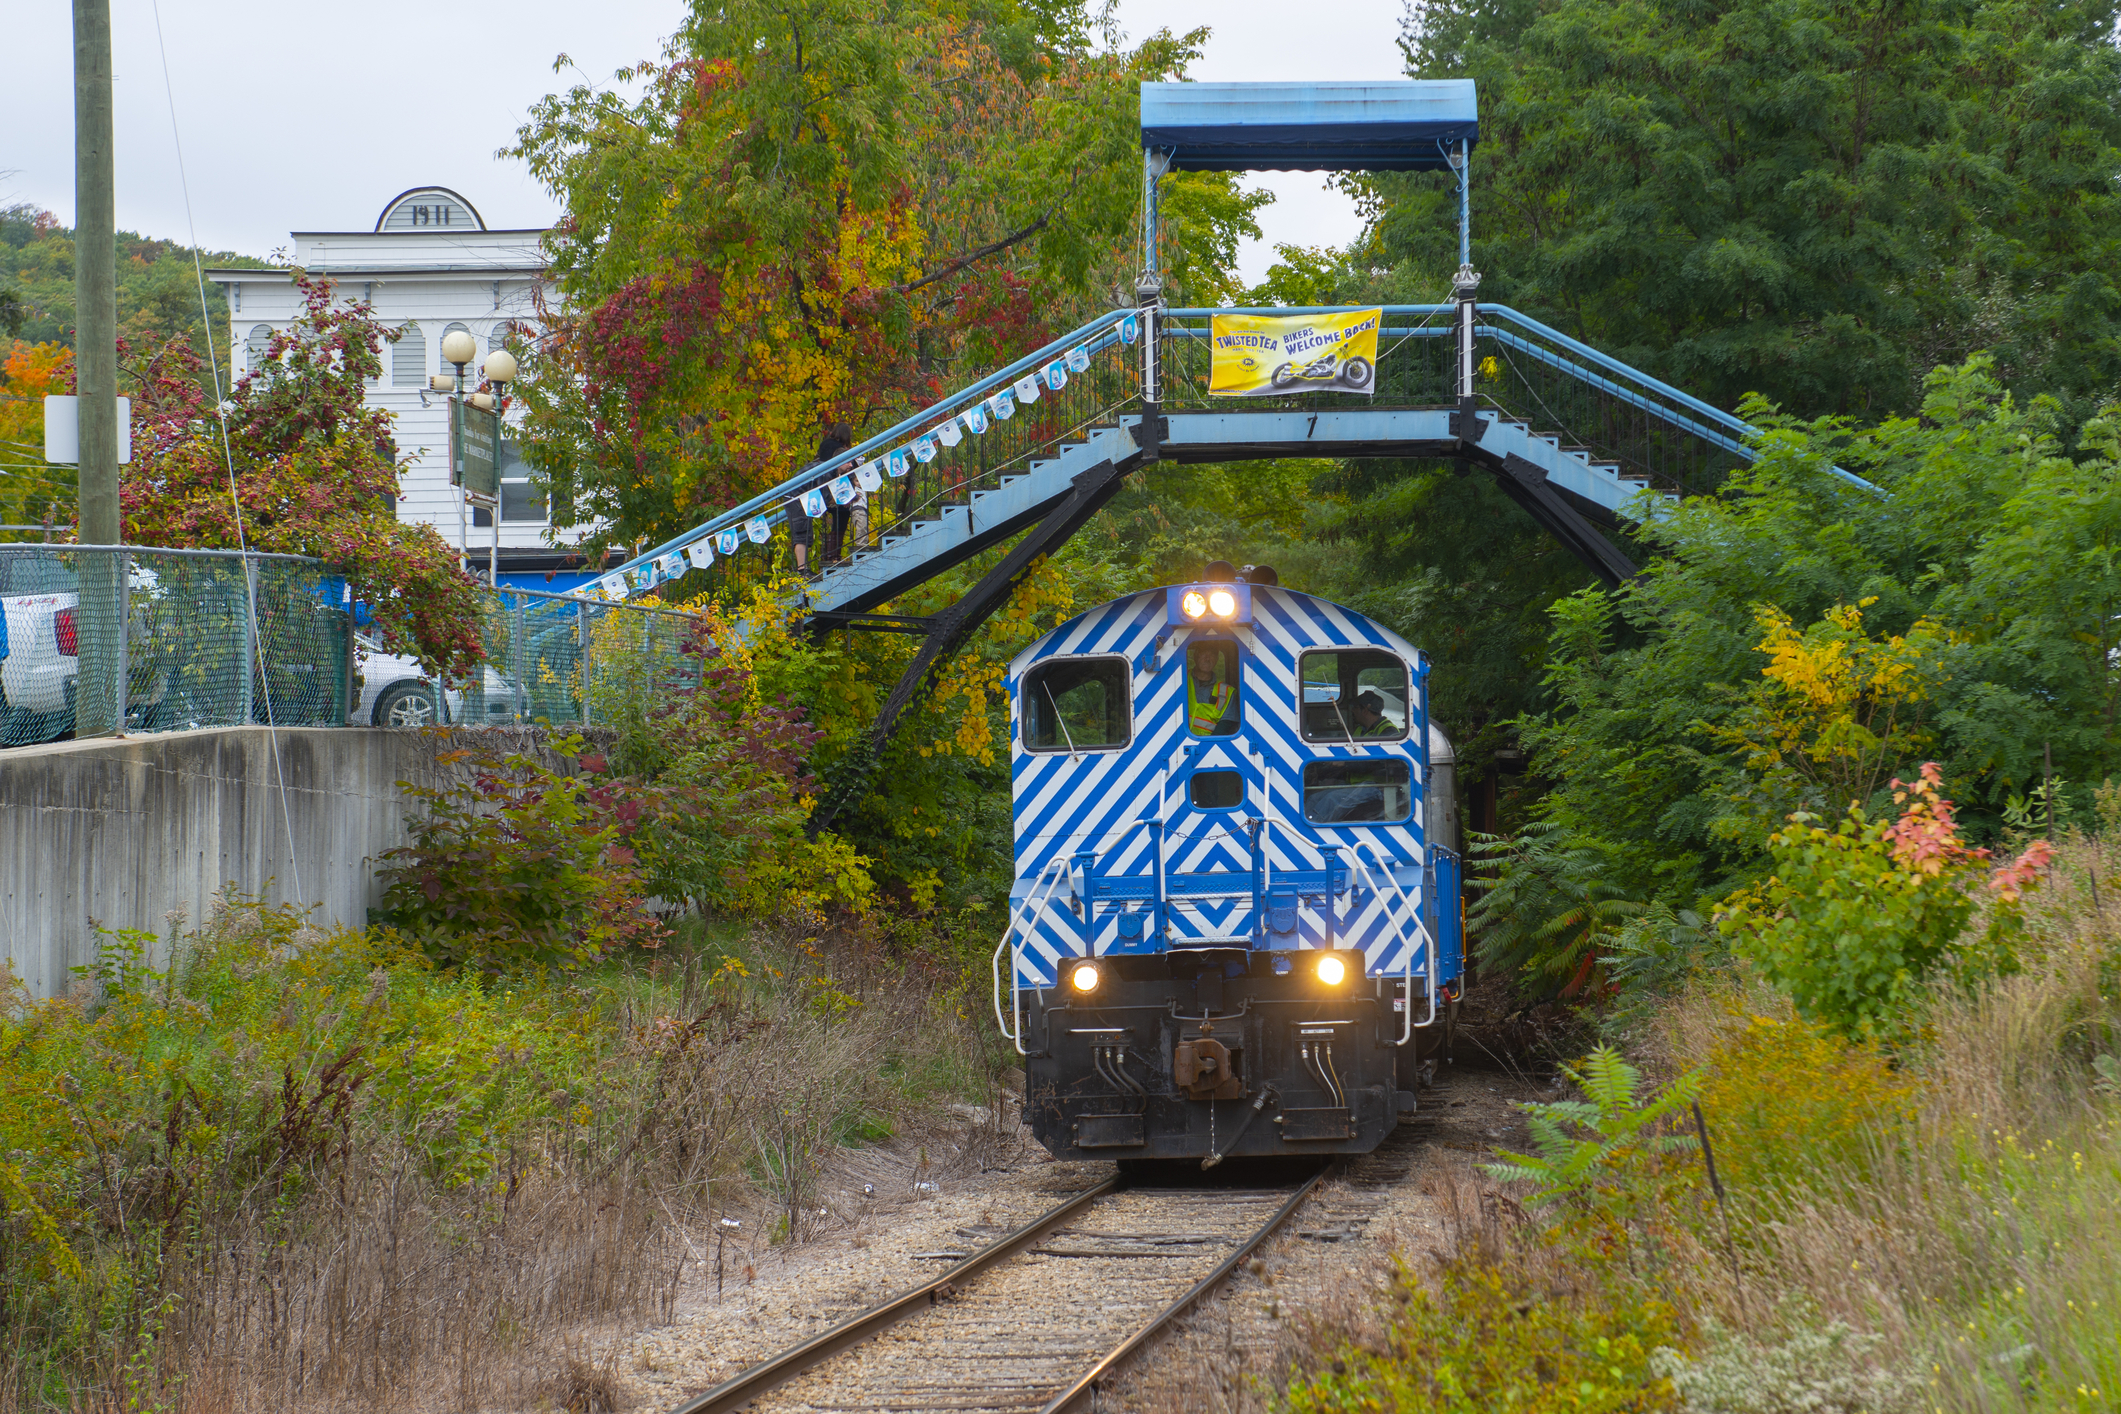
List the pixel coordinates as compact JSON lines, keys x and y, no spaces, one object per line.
{"x":1084,"y":977}
{"x":1222,"y":603}
{"x":1194,"y":605}
{"x":1332,"y":971}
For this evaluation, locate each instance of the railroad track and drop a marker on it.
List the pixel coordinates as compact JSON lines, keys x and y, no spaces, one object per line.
{"x":1035,"y":1320}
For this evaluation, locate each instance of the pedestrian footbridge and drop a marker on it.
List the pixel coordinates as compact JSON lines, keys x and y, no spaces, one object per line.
{"x":1024,"y":455}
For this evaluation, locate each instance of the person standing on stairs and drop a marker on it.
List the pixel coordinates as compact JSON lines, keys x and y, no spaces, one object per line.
{"x":801,"y":529}
{"x":837,"y":513}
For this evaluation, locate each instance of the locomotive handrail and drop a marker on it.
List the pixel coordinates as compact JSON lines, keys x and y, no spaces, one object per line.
{"x":1047,"y":881}
{"x":1429,"y":948}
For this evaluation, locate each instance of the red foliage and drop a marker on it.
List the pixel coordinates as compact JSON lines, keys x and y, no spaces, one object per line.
{"x":313,"y":473}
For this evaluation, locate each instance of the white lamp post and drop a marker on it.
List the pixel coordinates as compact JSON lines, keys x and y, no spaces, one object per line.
{"x":500,"y":371}
{"x":459,"y":348}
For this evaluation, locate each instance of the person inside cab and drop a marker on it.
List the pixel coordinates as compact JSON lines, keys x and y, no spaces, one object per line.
{"x":1368,"y":716}
{"x":1211,"y":689}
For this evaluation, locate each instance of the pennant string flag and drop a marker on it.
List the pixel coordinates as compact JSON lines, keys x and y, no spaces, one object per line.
{"x":950,"y":433}
{"x":896,"y":463}
{"x":924,"y":449}
{"x":729,"y":540}
{"x":1079,"y":359}
{"x":673,"y":566}
{"x":758,"y":530}
{"x":701,"y":554}
{"x":866,"y":475}
{"x":613,"y":585}
{"x":1027,"y":388}
{"x":1056,"y":375}
{"x":842,"y":490}
{"x":813,"y":502}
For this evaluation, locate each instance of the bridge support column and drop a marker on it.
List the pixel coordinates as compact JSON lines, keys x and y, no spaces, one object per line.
{"x":1463,"y":286}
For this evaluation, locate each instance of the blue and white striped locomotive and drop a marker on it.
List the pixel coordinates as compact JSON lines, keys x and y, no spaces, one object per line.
{"x":1234,"y":927}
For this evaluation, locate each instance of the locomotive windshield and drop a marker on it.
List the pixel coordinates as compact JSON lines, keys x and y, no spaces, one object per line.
{"x":1076,"y":704}
{"x":1356,"y":792}
{"x":1355,"y":695}
{"x":1211,"y":689}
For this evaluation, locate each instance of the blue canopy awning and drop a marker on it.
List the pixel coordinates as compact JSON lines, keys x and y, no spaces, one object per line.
{"x":1406,"y":126}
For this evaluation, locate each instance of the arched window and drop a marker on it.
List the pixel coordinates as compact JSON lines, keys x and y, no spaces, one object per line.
{"x":254,"y":347}
{"x":518,"y":338}
{"x":408,"y":358}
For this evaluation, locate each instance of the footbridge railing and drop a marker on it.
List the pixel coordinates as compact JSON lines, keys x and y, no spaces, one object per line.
{"x":1561,"y":421}
{"x":920,"y":469}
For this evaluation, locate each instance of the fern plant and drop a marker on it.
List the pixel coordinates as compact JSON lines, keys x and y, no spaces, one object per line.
{"x":1550,"y":908}
{"x":1618,"y":1124}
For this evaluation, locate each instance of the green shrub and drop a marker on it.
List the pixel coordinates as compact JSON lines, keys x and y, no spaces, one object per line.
{"x":516,"y":864}
{"x":1854,"y":920}
{"x":1487,"y":1340}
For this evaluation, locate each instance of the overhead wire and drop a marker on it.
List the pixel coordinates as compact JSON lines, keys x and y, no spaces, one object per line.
{"x":213,"y":364}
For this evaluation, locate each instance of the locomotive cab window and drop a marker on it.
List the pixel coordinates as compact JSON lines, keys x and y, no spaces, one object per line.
{"x":1211,"y":688}
{"x":1218,"y":790}
{"x":1357,"y":792}
{"x":1077,"y":704}
{"x":1354,"y":694}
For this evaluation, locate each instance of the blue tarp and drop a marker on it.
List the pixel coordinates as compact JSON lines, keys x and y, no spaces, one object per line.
{"x":560,"y":581}
{"x":1406,"y":126}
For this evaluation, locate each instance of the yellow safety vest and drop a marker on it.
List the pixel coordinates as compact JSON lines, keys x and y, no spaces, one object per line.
{"x":1202,"y":717}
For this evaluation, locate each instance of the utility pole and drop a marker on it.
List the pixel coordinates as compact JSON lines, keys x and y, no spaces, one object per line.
{"x":100,"y":698}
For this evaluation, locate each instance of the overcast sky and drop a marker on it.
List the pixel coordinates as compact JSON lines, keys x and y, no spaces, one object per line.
{"x":308,"y":117}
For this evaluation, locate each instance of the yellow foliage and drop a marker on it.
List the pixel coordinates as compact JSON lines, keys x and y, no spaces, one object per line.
{"x":1784,"y":1096}
{"x":1836,"y":711}
{"x":974,"y":682}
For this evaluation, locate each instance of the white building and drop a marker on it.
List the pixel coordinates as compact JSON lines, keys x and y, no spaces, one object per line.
{"x":430,"y":266}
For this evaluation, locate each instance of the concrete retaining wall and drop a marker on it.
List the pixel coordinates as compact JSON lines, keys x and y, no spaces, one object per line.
{"x":126,"y":833}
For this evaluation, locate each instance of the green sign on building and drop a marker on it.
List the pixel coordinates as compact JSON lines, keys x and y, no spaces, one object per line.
{"x":475,"y":450}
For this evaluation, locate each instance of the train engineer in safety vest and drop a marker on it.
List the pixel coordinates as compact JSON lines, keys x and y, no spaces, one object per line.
{"x":1370,"y":719}
{"x":1209,"y":692}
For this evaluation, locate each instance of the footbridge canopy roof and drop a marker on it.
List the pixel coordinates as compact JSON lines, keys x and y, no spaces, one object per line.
{"x":1336,"y":126}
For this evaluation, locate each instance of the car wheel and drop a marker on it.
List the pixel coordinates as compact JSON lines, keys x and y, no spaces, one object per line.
{"x":409,"y":704}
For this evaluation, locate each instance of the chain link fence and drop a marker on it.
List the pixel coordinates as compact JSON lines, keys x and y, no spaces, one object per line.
{"x":218,"y":638}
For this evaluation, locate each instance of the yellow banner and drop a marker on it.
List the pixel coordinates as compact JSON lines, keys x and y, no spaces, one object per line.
{"x":1260,"y":356}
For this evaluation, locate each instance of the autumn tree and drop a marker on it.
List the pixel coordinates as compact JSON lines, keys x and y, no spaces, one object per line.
{"x":32,"y":491}
{"x":828,"y":211}
{"x":300,"y":466}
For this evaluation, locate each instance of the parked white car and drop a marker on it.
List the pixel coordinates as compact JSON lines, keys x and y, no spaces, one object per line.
{"x":40,"y":654}
{"x":397,"y":692}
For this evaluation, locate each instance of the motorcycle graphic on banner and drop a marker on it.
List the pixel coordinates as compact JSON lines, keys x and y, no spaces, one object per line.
{"x":1265,"y":356}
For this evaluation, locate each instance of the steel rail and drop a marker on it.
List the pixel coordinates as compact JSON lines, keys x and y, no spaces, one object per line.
{"x":1079,"y":1394}
{"x":739,"y":1390}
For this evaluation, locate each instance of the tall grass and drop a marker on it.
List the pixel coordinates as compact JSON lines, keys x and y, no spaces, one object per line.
{"x":304,"y":1170}
{"x":1935,"y":1227}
